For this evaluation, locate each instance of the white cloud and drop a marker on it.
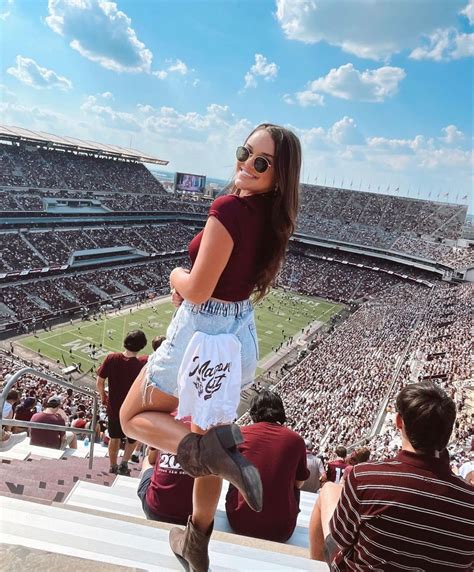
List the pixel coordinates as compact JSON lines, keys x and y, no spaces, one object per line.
{"x":145,"y":108}
{"x":5,"y":15}
{"x":108,"y":116}
{"x":469,"y":12}
{"x":348,"y":83}
{"x":177,"y":67}
{"x":31,"y":116}
{"x":451,"y":135}
{"x":6,"y":94}
{"x":367,"y":29}
{"x":101,"y":33}
{"x":261,"y":68}
{"x":397,"y":145}
{"x":107,"y":95}
{"x":30,"y":73}
{"x":444,"y":45}
{"x":345,"y":132}
{"x":308,"y":98}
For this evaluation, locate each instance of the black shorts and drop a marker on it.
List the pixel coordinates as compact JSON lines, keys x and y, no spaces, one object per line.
{"x":330,"y":548}
{"x":141,"y":492}
{"x":116,"y":431}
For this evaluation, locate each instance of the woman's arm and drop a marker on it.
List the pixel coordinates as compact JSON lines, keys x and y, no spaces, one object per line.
{"x":215,"y":249}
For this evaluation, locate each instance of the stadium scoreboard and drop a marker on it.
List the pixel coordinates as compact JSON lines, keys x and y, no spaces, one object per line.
{"x":189,"y":183}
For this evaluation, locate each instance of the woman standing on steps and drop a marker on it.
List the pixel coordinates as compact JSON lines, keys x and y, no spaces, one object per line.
{"x":238,"y":254}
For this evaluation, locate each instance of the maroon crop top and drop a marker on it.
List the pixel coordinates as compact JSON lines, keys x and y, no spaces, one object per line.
{"x":247,"y":220}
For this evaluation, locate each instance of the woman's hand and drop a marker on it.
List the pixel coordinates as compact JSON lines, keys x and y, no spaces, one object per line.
{"x":176,"y":298}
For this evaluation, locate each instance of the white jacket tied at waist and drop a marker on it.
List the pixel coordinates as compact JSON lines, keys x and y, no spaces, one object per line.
{"x":209,"y":379}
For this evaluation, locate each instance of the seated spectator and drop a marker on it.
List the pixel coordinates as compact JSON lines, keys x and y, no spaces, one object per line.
{"x":24,"y":412}
{"x":406,"y":513}
{"x":358,"y":456}
{"x":165,"y":490}
{"x":280,"y":456}
{"x":336,"y":468}
{"x":466,"y":470}
{"x":316,"y":470}
{"x":80,"y":422}
{"x":13,"y":397}
{"x":157,"y":341}
{"x":51,"y":438}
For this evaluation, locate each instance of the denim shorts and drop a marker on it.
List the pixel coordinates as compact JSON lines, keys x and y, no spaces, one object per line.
{"x":211,"y":317}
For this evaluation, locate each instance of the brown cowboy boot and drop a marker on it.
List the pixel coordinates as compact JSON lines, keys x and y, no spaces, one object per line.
{"x":216,"y":453}
{"x":190,"y":546}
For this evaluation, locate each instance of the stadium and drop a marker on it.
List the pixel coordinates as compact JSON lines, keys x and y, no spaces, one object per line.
{"x":375,"y":293}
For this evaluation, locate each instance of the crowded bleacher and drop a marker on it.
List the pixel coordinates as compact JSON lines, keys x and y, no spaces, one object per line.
{"x":34,"y":178}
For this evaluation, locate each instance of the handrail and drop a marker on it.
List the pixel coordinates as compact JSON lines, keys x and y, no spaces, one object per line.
{"x":47,"y":426}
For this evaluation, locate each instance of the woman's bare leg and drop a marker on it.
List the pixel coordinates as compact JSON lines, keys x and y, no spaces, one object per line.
{"x":146,"y":417}
{"x":206,"y":493}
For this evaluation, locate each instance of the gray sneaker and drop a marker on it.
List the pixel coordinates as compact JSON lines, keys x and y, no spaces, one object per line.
{"x":114,"y":470}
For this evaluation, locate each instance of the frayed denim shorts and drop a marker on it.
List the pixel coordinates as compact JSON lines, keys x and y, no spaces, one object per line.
{"x":211,"y":317}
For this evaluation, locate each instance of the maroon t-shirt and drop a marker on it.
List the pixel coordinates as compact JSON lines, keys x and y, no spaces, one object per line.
{"x":120,"y":372}
{"x":280,"y":456}
{"x":248,"y":221}
{"x":24,"y":414}
{"x":336,"y":470}
{"x":43,"y":437}
{"x":79,"y":423}
{"x":170,"y":493}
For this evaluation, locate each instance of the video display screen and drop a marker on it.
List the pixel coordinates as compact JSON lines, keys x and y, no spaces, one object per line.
{"x":187,"y":182}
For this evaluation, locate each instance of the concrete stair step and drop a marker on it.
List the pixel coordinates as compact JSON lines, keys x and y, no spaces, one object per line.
{"x":124,"y":543}
{"x":307,"y":500}
{"x":121,"y":498}
{"x":21,"y":449}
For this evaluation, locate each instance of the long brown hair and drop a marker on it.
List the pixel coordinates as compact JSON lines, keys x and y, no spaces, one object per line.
{"x":287,"y":166}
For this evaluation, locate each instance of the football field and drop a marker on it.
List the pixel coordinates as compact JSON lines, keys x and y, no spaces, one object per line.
{"x":280,"y":316}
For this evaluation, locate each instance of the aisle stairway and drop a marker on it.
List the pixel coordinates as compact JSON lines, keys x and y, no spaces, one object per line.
{"x":121,"y":498}
{"x":139,"y":545}
{"x":57,"y":514}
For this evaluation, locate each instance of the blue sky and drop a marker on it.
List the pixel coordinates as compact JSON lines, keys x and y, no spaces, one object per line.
{"x":379,"y":91}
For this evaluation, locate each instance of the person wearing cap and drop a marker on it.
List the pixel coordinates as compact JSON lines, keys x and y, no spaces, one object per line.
{"x":50,"y":438}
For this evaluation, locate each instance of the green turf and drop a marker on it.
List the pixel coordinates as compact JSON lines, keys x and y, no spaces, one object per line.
{"x":278,"y":311}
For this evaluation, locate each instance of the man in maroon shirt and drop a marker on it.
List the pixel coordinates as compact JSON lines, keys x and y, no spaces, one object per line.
{"x":53,"y":439}
{"x":280,"y":456}
{"x":407,"y":513}
{"x":336,"y":468}
{"x":120,"y":370}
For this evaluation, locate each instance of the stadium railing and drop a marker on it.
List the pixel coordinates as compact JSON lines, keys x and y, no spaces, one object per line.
{"x":48,"y":426}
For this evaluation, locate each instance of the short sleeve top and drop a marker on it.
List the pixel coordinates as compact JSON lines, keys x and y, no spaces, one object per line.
{"x":248,"y":221}
{"x":121,"y":372}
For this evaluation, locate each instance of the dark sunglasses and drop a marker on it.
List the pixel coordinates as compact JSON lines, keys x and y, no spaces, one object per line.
{"x":260,"y":164}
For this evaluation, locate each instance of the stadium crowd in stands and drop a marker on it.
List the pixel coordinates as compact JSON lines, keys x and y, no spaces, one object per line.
{"x":32,"y":178}
{"x":353,"y":369}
